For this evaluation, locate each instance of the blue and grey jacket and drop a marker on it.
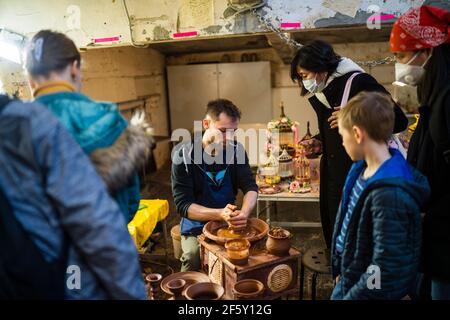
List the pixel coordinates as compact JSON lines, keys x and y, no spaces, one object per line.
{"x":54,"y":190}
{"x":384,"y":231}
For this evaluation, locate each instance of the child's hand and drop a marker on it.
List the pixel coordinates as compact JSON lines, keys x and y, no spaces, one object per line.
{"x":333,"y":120}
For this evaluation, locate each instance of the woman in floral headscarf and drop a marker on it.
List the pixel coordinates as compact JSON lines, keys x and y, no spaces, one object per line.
{"x":421,"y":42}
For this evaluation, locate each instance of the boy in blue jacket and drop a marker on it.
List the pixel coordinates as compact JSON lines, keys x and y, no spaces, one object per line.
{"x":377,"y":235}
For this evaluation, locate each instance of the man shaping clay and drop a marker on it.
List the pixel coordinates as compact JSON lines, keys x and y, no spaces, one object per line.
{"x":206,"y":176}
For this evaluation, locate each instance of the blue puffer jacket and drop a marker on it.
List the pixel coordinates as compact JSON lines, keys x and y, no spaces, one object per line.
{"x":384,"y":231}
{"x":55,"y":193}
{"x":94,"y":125}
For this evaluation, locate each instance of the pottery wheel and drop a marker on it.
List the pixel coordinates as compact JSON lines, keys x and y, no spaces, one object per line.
{"x":229,"y":233}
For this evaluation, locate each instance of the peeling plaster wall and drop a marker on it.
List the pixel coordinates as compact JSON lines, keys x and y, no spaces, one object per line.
{"x":82,"y":20}
{"x":158,"y":20}
{"x":128,"y":74}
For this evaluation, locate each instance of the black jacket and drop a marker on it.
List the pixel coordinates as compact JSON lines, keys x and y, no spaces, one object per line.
{"x":335,"y":163}
{"x":427,"y":153}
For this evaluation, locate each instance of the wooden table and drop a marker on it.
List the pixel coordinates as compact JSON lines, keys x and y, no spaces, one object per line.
{"x":274,"y":272}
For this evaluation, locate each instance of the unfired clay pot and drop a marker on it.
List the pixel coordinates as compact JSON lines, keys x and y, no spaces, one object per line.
{"x":204,"y":291}
{"x":280,"y":243}
{"x":248,"y":289}
{"x":177,"y":287}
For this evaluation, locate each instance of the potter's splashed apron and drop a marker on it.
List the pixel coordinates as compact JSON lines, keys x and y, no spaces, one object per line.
{"x":217,"y":192}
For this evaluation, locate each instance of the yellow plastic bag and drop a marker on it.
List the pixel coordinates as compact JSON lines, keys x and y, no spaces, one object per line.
{"x":144,"y":222}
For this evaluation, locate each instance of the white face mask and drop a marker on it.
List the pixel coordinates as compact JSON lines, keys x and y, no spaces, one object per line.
{"x":410,"y":74}
{"x":312,"y":86}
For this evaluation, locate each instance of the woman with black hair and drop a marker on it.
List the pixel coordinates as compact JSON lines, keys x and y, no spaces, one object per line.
{"x":420,"y":39}
{"x":318,"y":70}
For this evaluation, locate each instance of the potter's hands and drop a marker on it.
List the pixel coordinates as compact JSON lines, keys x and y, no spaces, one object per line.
{"x":333,"y":120}
{"x":236,"y":219}
{"x":239,"y":220}
{"x":228,"y":212}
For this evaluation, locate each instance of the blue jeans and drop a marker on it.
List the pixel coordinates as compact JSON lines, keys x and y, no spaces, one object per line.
{"x":440,"y":290}
{"x":337,"y":292}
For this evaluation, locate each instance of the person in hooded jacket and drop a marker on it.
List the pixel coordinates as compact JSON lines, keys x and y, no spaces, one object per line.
{"x":62,"y":236}
{"x":420,"y":39}
{"x":207,"y":173}
{"x":377,"y":235}
{"x":117,"y":150}
{"x":323,"y":74}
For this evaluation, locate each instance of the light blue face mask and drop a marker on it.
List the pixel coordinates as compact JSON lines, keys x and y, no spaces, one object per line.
{"x":312,"y":86}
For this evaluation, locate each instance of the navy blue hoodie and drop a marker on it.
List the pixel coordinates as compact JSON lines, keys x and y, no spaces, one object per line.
{"x":188,"y":180}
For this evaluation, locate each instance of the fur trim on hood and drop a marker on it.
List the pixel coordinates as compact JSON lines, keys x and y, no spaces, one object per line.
{"x":118,"y":163}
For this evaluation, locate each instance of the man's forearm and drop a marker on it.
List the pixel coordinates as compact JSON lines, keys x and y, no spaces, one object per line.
{"x":201,"y":213}
{"x":249,"y":202}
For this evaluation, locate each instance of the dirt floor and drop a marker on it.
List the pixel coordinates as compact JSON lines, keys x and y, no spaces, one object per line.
{"x":157,"y":186}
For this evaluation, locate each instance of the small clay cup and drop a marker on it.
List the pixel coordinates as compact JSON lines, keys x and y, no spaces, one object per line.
{"x":154,"y":279}
{"x":176,"y":286}
{"x":248,"y":289}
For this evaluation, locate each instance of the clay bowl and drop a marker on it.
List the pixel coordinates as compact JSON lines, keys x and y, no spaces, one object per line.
{"x":210,"y":230}
{"x":204,"y":291}
{"x":279,"y":243}
{"x":190,"y":277}
{"x":238,"y":251}
{"x":249,"y":289}
{"x":176,"y":286}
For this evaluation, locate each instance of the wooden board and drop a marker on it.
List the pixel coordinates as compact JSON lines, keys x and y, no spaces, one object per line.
{"x":278,"y":274}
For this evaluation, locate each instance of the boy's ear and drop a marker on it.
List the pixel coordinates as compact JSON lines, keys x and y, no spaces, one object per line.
{"x":358,"y":134}
{"x":74,"y":69}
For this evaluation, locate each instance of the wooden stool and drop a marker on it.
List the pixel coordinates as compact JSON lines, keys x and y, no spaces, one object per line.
{"x":316,"y":260}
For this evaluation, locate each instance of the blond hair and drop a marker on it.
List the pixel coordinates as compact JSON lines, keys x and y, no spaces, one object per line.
{"x":371,"y":111}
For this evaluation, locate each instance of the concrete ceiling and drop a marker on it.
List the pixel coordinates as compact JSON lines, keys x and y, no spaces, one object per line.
{"x":267,"y":40}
